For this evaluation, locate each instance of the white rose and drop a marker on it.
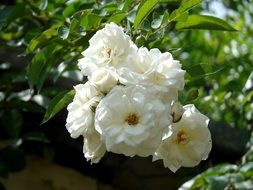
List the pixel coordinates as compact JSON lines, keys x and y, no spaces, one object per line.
{"x":93,"y":148}
{"x":110,"y":47}
{"x":157,"y":70}
{"x":131,"y":121}
{"x":80,"y":119}
{"x":104,"y":80}
{"x":187,"y":143}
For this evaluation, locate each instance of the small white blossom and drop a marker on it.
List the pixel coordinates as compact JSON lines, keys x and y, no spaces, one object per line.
{"x":80,"y":119}
{"x":104,"y":80}
{"x":187,"y":143}
{"x":131,"y":121}
{"x":110,"y":47}
{"x":93,"y":148}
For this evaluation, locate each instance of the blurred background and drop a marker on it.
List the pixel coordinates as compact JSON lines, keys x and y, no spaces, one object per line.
{"x":40,"y":43}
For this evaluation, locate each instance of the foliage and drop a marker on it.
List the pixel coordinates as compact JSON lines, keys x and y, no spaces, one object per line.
{"x":224,"y":176}
{"x":49,"y":37}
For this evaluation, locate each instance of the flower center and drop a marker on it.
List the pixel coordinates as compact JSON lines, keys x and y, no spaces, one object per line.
{"x":108,"y":51}
{"x":132,"y":119}
{"x":182,"y":137}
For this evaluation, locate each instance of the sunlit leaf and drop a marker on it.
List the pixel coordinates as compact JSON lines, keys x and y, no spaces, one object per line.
{"x":117,"y":18}
{"x":185,"y":6}
{"x":204,"y":22}
{"x":43,"y":5}
{"x":145,"y":8}
{"x":63,"y":32}
{"x":58,"y":103}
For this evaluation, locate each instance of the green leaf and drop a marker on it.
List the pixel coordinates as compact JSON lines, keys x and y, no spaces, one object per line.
{"x":117,"y":18}
{"x":42,"y":39}
{"x":41,"y":62}
{"x":36,"y":136}
{"x":185,"y":6}
{"x":73,"y":25}
{"x":58,"y":103}
{"x":3,"y":170}
{"x":63,"y":32}
{"x":12,"y":122}
{"x":43,"y":5}
{"x":90,"y":20}
{"x":192,"y":94}
{"x":199,"y":71}
{"x":48,"y":152}
{"x":10,"y":13}
{"x":157,"y":21}
{"x":144,"y":9}
{"x":204,"y":22}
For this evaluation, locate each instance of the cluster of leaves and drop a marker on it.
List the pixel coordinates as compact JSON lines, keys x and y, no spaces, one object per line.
{"x":224,"y":176}
{"x":52,"y":35}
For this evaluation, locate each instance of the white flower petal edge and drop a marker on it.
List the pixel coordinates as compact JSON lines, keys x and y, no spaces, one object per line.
{"x":104,"y":80}
{"x":110,"y":47}
{"x":93,"y":148}
{"x":80,"y":119}
{"x":131,"y":121}
{"x":188,"y":142}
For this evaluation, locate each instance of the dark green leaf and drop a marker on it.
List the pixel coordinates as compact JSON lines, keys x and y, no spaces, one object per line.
{"x":74,"y":24}
{"x":192,"y":94}
{"x":144,"y":9}
{"x":196,"y":70}
{"x":217,"y":182}
{"x":41,"y":63}
{"x":3,"y":170}
{"x":42,"y":39}
{"x":204,"y":22}
{"x":12,"y":122}
{"x":58,"y":103}
{"x":48,"y":152}
{"x":10,"y":13}
{"x":35,"y":136}
{"x":43,"y":5}
{"x":63,"y":32}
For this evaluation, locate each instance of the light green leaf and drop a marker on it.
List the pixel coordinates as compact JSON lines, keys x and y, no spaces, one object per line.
{"x":63,"y":32}
{"x":145,"y":8}
{"x":43,"y":5}
{"x":185,"y":6}
{"x":204,"y":22}
{"x":58,"y":103}
{"x":156,"y":23}
{"x":90,"y":20}
{"x":117,"y":18}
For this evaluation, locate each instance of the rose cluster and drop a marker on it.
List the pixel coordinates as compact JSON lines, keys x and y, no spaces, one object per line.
{"x":129,"y":104}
